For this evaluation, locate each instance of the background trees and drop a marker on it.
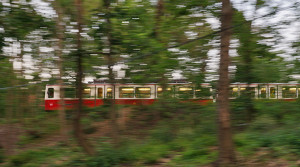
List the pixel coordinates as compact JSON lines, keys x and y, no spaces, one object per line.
{"x":148,"y":41}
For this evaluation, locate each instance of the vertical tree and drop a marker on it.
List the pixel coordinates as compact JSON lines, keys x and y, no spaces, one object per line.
{"x":60,"y":37}
{"x":79,"y":85}
{"x":108,"y":45}
{"x":226,"y":148}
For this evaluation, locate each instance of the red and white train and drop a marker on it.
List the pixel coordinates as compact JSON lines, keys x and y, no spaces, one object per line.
{"x":132,"y":94}
{"x":284,"y":91}
{"x":126,"y":94}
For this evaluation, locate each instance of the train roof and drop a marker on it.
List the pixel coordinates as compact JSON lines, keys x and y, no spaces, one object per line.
{"x":179,"y":83}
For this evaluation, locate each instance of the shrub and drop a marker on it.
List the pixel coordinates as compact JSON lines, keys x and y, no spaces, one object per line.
{"x":263,"y":123}
{"x":106,"y":156}
{"x":2,"y":157}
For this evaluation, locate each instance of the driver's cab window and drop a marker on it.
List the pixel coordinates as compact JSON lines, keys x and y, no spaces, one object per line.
{"x":50,"y":92}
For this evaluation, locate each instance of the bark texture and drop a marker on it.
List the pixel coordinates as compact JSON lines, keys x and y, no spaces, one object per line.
{"x":110,"y":61}
{"x":60,"y":37}
{"x":79,"y":86}
{"x":226,"y":148}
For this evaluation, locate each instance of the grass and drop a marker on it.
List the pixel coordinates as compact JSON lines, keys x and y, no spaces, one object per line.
{"x":185,"y":136}
{"x":43,"y":156}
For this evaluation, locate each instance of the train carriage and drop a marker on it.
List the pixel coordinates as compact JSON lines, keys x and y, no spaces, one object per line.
{"x":124,"y":94}
{"x":146,"y":94}
{"x":284,"y":91}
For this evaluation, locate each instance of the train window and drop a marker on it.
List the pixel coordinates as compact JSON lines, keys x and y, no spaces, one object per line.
{"x":248,"y":90}
{"x":69,"y":92}
{"x":243,"y":90}
{"x":202,"y":92}
{"x":50,"y":92}
{"x":109,"y":93}
{"x":234,"y":92}
{"x":100,"y":93}
{"x":160,"y":92}
{"x":86,"y":93}
{"x":185,"y":92}
{"x":272,"y":92}
{"x":262,"y":93}
{"x":142,"y":92}
{"x":126,"y":92}
{"x":289,"y":92}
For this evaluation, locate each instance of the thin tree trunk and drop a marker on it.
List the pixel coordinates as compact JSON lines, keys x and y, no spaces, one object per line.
{"x":79,"y":86}
{"x":249,"y":69}
{"x":9,"y":114}
{"x":20,"y":81}
{"x":159,"y":14}
{"x":60,"y":37}
{"x":157,"y":35}
{"x":226,"y":147}
{"x":113,"y":112}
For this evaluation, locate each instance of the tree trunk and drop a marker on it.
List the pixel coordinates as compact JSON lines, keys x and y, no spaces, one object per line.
{"x":226,"y":148}
{"x":60,"y":37}
{"x":249,"y":69}
{"x":110,"y":61}
{"x":79,"y":87}
{"x":159,"y":14}
{"x":20,"y":81}
{"x":9,"y":115}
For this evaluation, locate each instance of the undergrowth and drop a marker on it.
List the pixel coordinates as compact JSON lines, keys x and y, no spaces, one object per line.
{"x":185,"y":135}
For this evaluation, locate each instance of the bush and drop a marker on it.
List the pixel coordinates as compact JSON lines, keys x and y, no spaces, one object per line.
{"x":106,"y":156}
{"x":263,"y":123}
{"x":34,"y":158}
{"x":2,"y":157}
{"x":151,"y":152}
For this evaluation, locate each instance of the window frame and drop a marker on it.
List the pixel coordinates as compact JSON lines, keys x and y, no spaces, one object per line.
{"x":106,"y":92}
{"x":48,"y":97}
{"x":182,"y":95}
{"x":295,"y":95}
{"x":102,"y":92}
{"x":120,"y":91}
{"x":135,"y":92}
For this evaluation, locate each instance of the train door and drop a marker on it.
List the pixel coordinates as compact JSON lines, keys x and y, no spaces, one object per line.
{"x":262,"y":92}
{"x":108,"y":91}
{"x":99,"y":93}
{"x":272,"y":92}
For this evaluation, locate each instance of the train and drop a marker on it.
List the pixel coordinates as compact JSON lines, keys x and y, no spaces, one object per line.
{"x":97,"y":94}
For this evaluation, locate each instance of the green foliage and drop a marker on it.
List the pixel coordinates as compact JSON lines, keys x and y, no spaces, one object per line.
{"x":256,"y":63}
{"x":263,"y":123}
{"x":150,"y":152}
{"x":2,"y":157}
{"x":23,"y":19}
{"x":106,"y":156}
{"x":35,"y":158}
{"x":275,"y":127}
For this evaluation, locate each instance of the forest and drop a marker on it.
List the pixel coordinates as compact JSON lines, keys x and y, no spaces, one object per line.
{"x":149,"y":83}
